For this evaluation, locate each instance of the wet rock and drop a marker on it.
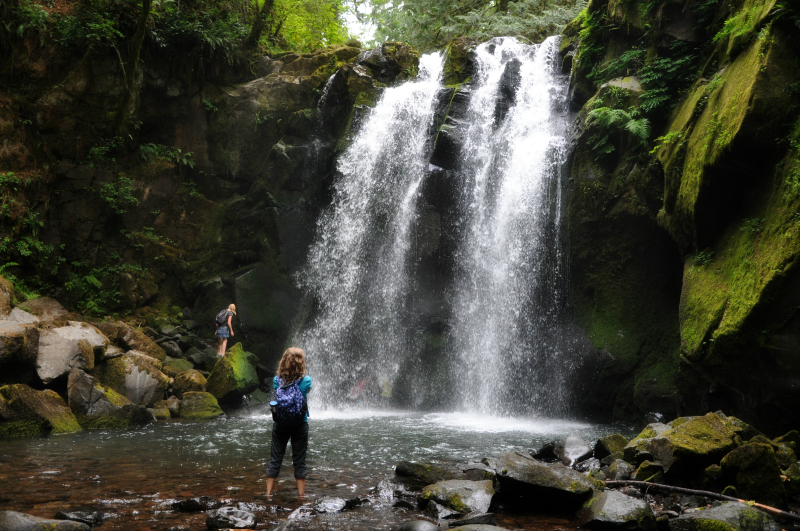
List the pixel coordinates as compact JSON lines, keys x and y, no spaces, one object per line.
{"x":543,"y":484}
{"x":685,"y":446}
{"x":136,"y":376}
{"x":45,"y":308}
{"x":68,"y":347}
{"x":330,"y":504}
{"x":461,"y":495}
{"x":416,"y":476}
{"x":754,"y":470}
{"x":27,"y":412}
{"x":131,"y":339}
{"x":160,"y":413}
{"x":478,"y":472}
{"x":14,"y":521}
{"x":475,"y":518}
{"x":230,"y":518}
{"x":201,"y":503}
{"x":97,"y":406}
{"x":172,"y":404}
{"x":590,"y":465}
{"x":478,"y":527}
{"x":172,"y":349}
{"x":730,"y":516}
{"x":620,"y":470}
{"x":188,"y":381}
{"x":234,"y":375}
{"x":649,"y":471}
{"x":438,"y":511}
{"x":197,"y":405}
{"x":613,"y":445}
{"x":417,"y":525}
{"x":572,"y":449}
{"x":546,"y":452}
{"x":89,"y":517}
{"x":612,"y":509}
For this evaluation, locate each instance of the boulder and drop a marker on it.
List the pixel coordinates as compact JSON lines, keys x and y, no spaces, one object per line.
{"x":234,"y":375}
{"x":19,"y":345}
{"x":612,"y":445}
{"x":546,"y":452}
{"x":160,"y":413}
{"x":131,"y":339}
{"x":19,"y":315}
{"x":89,"y":517}
{"x":620,"y":470}
{"x":61,"y":349}
{"x":416,"y":476}
{"x":172,"y":349}
{"x":438,"y":512}
{"x":197,"y":405}
{"x":168,"y":330}
{"x":13,"y":521}
{"x":201,"y":503}
{"x":206,"y":358}
{"x":99,"y":407}
{"x":572,"y":449}
{"x":45,"y":308}
{"x":27,"y":412}
{"x":686,"y":446}
{"x":461,"y":495}
{"x":612,"y":509}
{"x":754,"y":469}
{"x":330,"y":504}
{"x":543,"y":484}
{"x":478,"y":527}
{"x":136,"y":376}
{"x":230,"y":518}
{"x":111,"y":352}
{"x":791,"y":439}
{"x":649,"y":471}
{"x":730,"y":516}
{"x":187,"y":381}
{"x":178,"y":364}
{"x":417,"y":525}
{"x":6,"y":297}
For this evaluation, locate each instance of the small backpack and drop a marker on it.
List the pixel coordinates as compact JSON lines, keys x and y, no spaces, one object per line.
{"x":222,"y":318}
{"x":292,"y":407}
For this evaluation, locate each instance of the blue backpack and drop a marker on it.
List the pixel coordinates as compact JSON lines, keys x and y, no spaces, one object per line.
{"x":292,"y":407}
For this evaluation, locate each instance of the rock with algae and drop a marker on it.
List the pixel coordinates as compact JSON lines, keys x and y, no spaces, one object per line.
{"x":28,"y":412}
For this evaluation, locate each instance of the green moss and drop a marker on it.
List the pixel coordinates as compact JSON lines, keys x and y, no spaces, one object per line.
{"x":199,"y":406}
{"x":234,"y":375}
{"x":712,"y":525}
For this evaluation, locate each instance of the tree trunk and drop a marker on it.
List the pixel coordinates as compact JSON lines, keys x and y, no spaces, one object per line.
{"x":134,"y":50}
{"x":260,"y":21}
{"x":502,"y":6}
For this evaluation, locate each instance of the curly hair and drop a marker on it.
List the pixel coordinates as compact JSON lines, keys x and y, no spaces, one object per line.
{"x":293,"y":365}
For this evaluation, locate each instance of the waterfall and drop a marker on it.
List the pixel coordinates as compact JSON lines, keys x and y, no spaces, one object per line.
{"x":357,"y":267}
{"x":501,"y":305}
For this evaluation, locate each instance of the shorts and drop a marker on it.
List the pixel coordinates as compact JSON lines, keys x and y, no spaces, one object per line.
{"x":223,"y":332}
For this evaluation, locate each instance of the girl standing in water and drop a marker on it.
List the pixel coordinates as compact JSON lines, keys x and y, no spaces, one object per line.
{"x":291,"y":418}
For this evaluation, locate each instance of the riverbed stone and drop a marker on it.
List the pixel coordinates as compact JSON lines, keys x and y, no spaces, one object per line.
{"x":90,"y":517}
{"x":417,"y":525}
{"x":416,"y":476}
{"x":687,"y":446}
{"x":230,"y":518}
{"x":478,"y":527}
{"x":198,"y":405}
{"x":572,"y":449}
{"x":136,"y":376}
{"x":612,"y":445}
{"x":729,"y":516}
{"x":14,"y":521}
{"x":438,"y":511}
{"x":234,"y":375}
{"x":542,"y":484}
{"x":191,"y":380}
{"x":45,"y":308}
{"x":754,"y":469}
{"x":461,"y":495}
{"x":612,"y":509}
{"x":160,"y":413}
{"x":28,"y":412}
{"x":131,"y":339}
{"x":330,"y":504}
{"x":66,"y":348}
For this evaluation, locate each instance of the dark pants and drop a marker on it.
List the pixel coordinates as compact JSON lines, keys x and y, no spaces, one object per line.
{"x":281,"y":433}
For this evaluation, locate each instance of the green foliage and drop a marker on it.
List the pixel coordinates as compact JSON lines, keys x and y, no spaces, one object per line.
{"x":153,"y":152}
{"x":118,"y":194}
{"x":617,"y":127}
{"x":306,"y":25}
{"x":739,"y":25}
{"x":666,"y":76}
{"x":666,"y":140}
{"x":703,"y":258}
{"x":626,"y":64}
{"x":97,"y":290}
{"x":753,"y":225}
{"x":104,"y":152}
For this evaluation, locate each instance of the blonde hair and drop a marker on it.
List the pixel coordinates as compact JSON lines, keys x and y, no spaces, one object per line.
{"x":232,"y":307}
{"x":293,"y":365}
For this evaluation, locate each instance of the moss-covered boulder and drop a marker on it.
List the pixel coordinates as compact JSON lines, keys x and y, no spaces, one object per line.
{"x":14,"y":521}
{"x":131,"y":339}
{"x":687,"y":446}
{"x":612,"y":509}
{"x":160,"y":413}
{"x":458,"y":65}
{"x":27,"y":412}
{"x":460,"y":495}
{"x":610,"y":446}
{"x":649,"y":471}
{"x":620,"y":470}
{"x":176,"y":364}
{"x":172,"y":404}
{"x":234,"y":375}
{"x":198,"y":405}
{"x":416,"y":476}
{"x":134,"y":375}
{"x":753,"y":469}
{"x":188,"y":381}
{"x":730,"y":516}
{"x":99,"y":407}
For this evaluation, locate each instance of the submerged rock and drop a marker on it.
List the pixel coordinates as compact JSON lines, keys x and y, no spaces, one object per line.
{"x":572,"y":450}
{"x":234,"y":375}
{"x":14,"y":521}
{"x":201,"y":503}
{"x":27,"y":412}
{"x":197,"y":405}
{"x":461,"y":495}
{"x":475,"y":518}
{"x":230,"y":518}
{"x":416,"y":476}
{"x":478,"y":527}
{"x":730,"y":516}
{"x":89,"y":517}
{"x":330,"y":504}
{"x":612,"y":509}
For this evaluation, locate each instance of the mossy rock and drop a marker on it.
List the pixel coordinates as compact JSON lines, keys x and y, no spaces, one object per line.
{"x":25,"y":412}
{"x":611,"y":445}
{"x":730,"y":516}
{"x":234,"y":375}
{"x":650,"y":472}
{"x":188,"y":381}
{"x":160,"y":413}
{"x":199,"y":406}
{"x":612,"y":509}
{"x":416,"y":476}
{"x":134,"y":375}
{"x":460,"y":495}
{"x":14,"y":521}
{"x":458,"y":65}
{"x":754,"y":470}
{"x":178,"y":364}
{"x":792,"y":484}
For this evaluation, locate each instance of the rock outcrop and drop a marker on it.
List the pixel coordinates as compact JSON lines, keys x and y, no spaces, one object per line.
{"x":25,"y":412}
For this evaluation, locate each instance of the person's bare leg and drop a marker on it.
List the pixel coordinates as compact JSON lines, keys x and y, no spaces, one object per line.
{"x":301,"y":488}
{"x":219,"y":346}
{"x":270,"y":486}
{"x":224,"y":346}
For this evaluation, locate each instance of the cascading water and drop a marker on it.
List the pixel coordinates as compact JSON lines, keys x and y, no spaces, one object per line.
{"x":508,"y":282}
{"x":502,"y":299}
{"x":358,"y":265}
